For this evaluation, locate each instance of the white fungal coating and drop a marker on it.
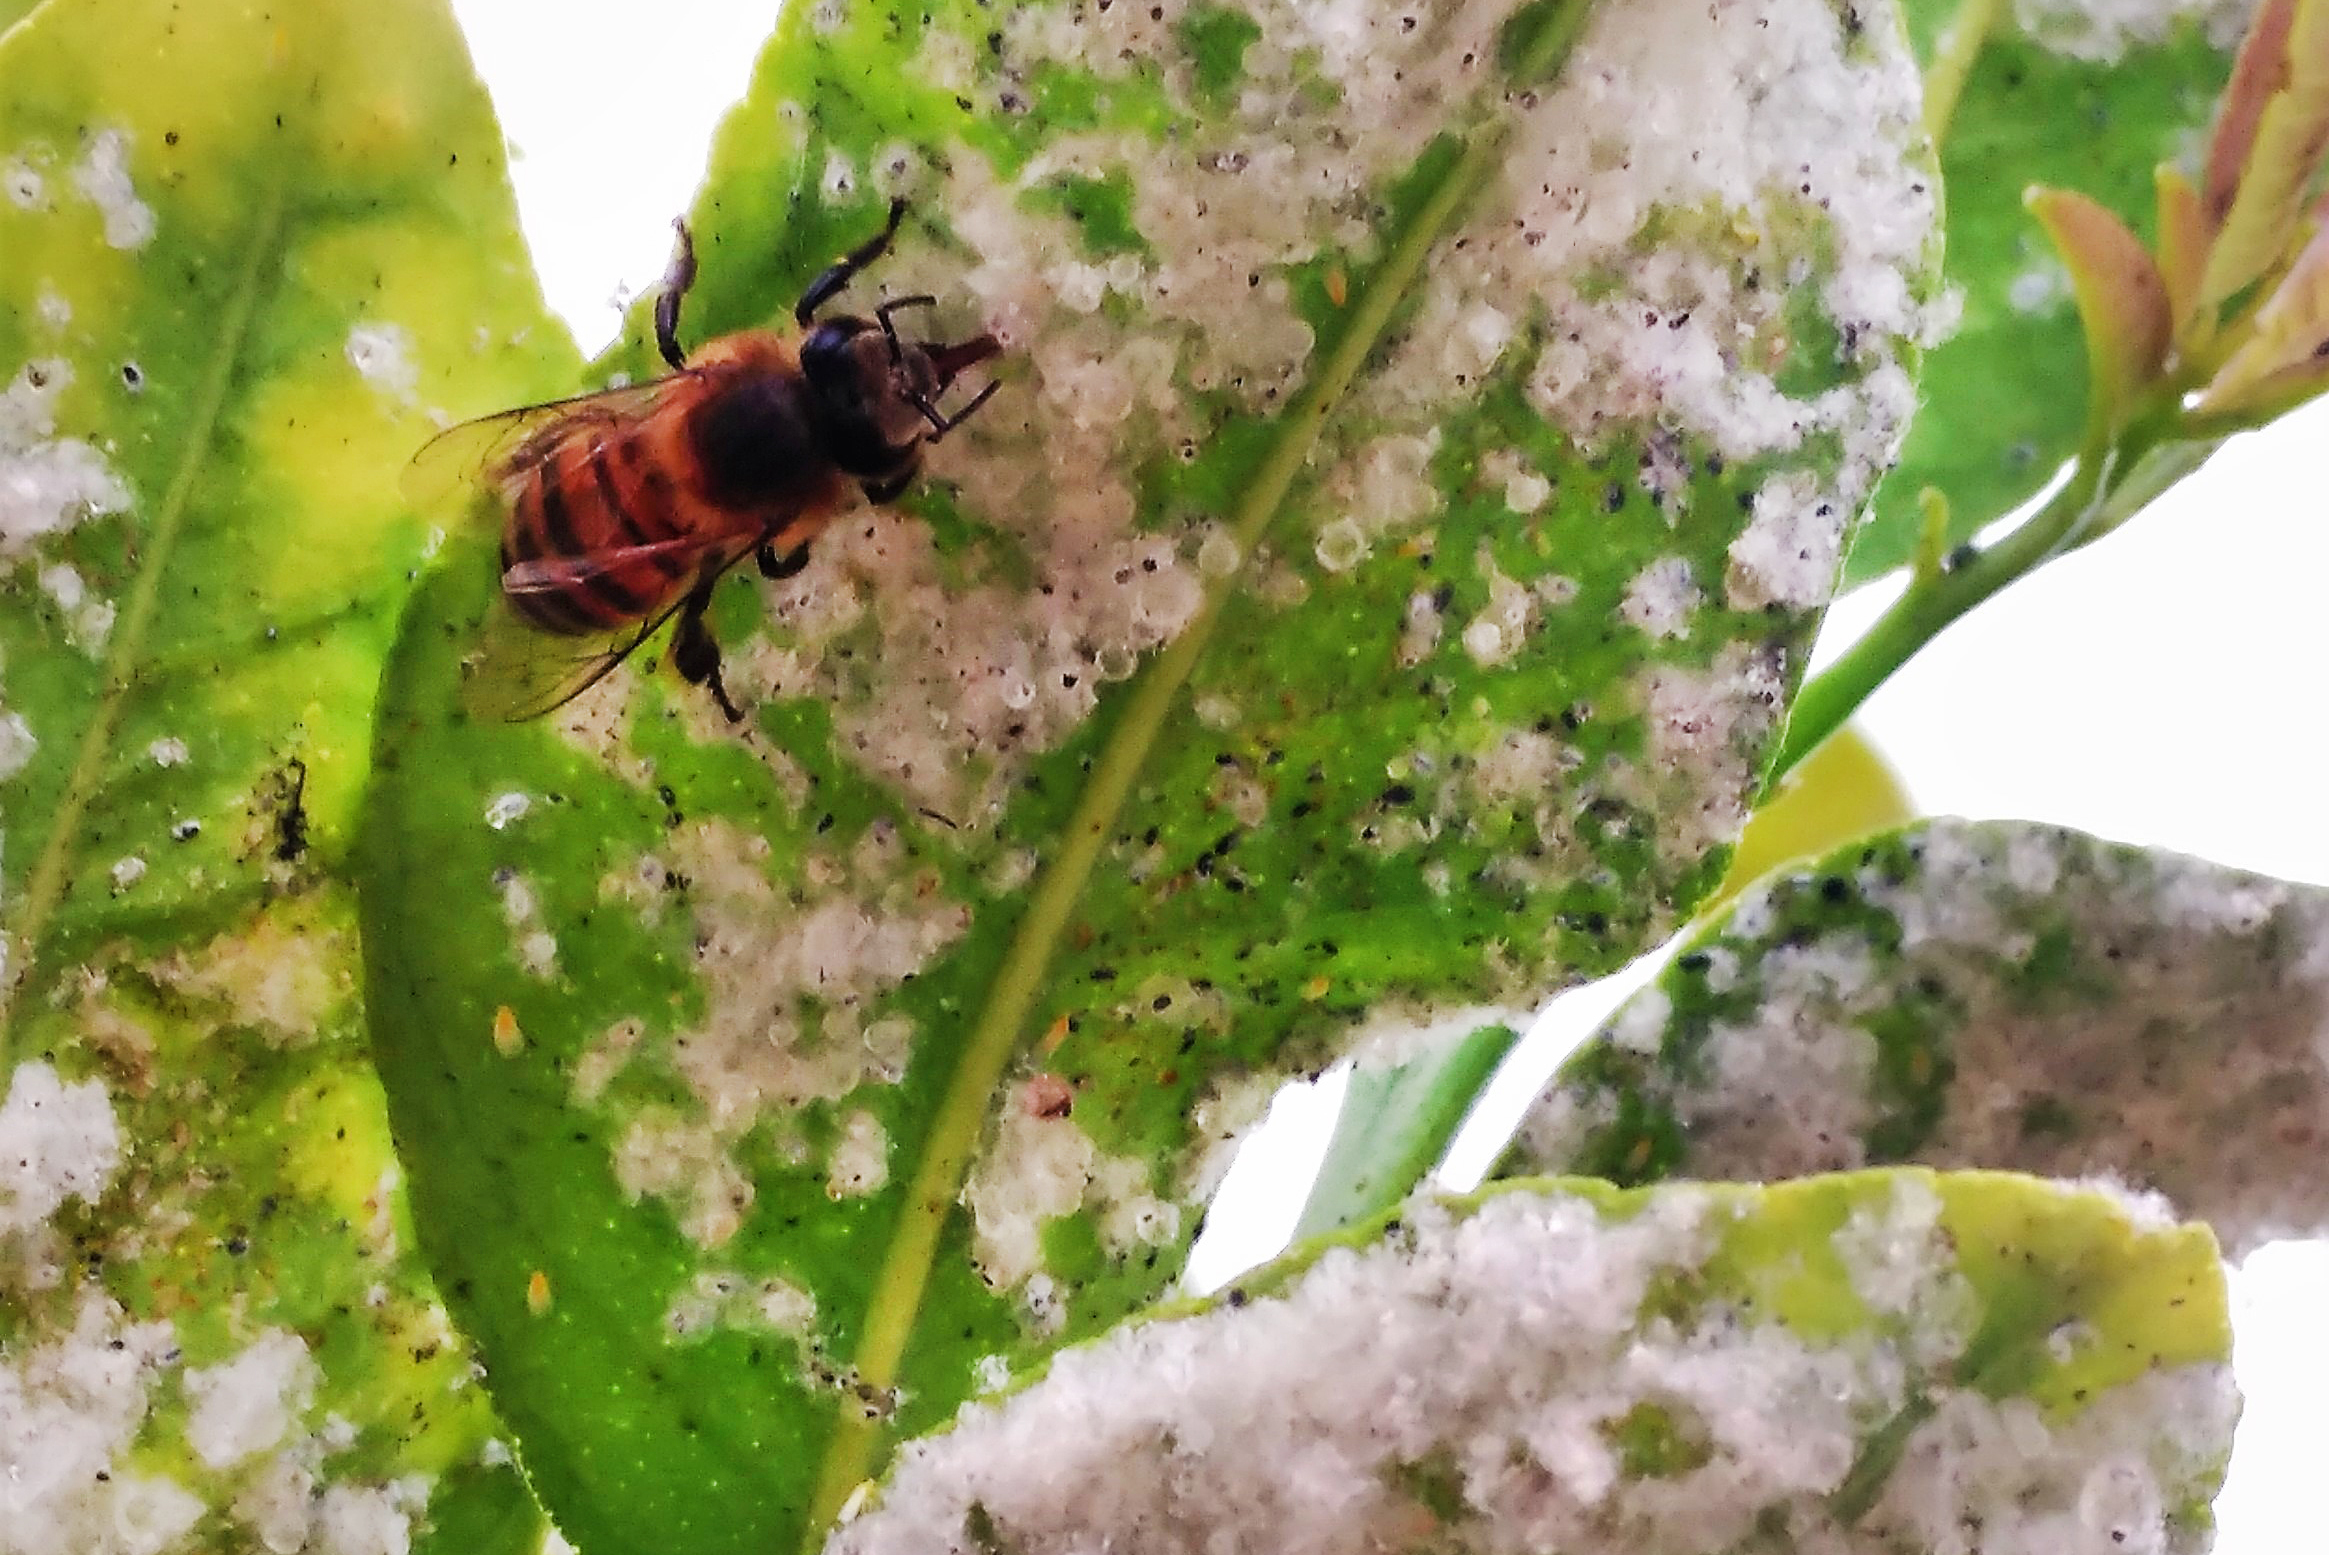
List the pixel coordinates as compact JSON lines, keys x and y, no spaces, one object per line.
{"x":71,"y":1404}
{"x":169,"y":751}
{"x":1036,"y":1168}
{"x":505,"y":808}
{"x":1466,"y":1385}
{"x":279,"y":977}
{"x":532,"y":946}
{"x":88,"y":619}
{"x":861,"y":1158}
{"x":47,"y":483}
{"x":383,"y":355}
{"x":1672,"y":108}
{"x":1662,"y":598}
{"x":2182,"y":1049}
{"x":1502,"y":627}
{"x":102,"y":178}
{"x":720,"y":1298}
{"x":687,"y":1165}
{"x":58,"y":1141}
{"x":246,"y":1404}
{"x":2102,"y":31}
{"x":1788,"y":553}
{"x":792,"y":979}
{"x":1419,"y":636}
{"x":27,"y":190}
{"x":17,"y":744}
{"x":1705,"y":731}
{"x":1665,"y":170}
{"x":370,"y":1519}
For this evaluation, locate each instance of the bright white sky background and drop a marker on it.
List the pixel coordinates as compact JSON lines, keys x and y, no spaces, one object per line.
{"x":2164,"y":687}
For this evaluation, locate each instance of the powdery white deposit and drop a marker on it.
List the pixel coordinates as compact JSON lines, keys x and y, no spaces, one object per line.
{"x":102,"y":178}
{"x":1689,"y":171}
{"x":70,"y":1406}
{"x":2105,"y":30}
{"x":1464,"y":1383}
{"x":2186,"y":1053}
{"x":58,"y":1141}
{"x":47,"y":482}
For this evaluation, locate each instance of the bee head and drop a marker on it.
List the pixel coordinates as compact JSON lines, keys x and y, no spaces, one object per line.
{"x":878,"y":393}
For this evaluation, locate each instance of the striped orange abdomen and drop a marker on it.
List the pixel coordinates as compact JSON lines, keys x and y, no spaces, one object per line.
{"x":610,"y":487}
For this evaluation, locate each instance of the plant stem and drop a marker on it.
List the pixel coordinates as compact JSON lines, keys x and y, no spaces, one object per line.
{"x":1933,"y":602}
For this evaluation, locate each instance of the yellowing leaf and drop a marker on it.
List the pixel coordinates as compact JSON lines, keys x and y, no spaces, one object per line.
{"x":2122,"y":299}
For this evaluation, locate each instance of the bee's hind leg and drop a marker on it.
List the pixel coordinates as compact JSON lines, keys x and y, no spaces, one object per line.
{"x":676,"y":281}
{"x":696,"y":655}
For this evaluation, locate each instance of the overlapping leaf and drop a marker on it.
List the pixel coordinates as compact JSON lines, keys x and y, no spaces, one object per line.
{"x":1981,"y":995}
{"x":2076,"y":97}
{"x":1420,"y":458}
{"x":241,"y":250}
{"x":1565,"y":1366}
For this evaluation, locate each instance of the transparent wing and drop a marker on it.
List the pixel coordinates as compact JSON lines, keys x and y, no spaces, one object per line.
{"x":520,"y":671}
{"x":493,"y":451}
{"x":556,"y":574}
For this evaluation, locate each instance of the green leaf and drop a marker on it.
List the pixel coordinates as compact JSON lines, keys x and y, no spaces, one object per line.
{"x":242,"y":253}
{"x":1980,"y":995}
{"x":1370,"y":595}
{"x":1398,"y":1113}
{"x":1567,"y":1366}
{"x":2093,"y":103}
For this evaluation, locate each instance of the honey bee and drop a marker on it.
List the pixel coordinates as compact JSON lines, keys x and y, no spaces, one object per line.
{"x":620,"y":510}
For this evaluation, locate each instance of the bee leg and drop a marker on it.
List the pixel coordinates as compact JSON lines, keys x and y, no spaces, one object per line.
{"x":696,"y":655}
{"x":676,"y":281}
{"x":782,"y":564}
{"x":883,"y":492}
{"x":946,"y":424}
{"x":823,"y":289}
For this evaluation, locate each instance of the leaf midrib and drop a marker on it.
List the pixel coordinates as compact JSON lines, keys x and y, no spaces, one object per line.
{"x":46,"y":886}
{"x":895,"y":1300}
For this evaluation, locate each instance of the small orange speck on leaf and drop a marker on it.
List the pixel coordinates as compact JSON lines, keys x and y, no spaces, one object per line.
{"x":1639,"y":1155}
{"x":507,"y":1039}
{"x":538,"y":1293}
{"x":1337,"y":286}
{"x":1057,"y":1034}
{"x":1315,"y":988}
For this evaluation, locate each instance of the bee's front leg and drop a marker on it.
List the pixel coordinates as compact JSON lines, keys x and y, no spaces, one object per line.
{"x":696,"y":655}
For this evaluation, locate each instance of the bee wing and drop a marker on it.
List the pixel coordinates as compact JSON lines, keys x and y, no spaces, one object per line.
{"x":556,"y":574}
{"x":521,"y":672}
{"x":495,"y":450}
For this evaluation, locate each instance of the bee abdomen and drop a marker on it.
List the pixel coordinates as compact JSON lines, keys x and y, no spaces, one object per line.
{"x":577,"y":509}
